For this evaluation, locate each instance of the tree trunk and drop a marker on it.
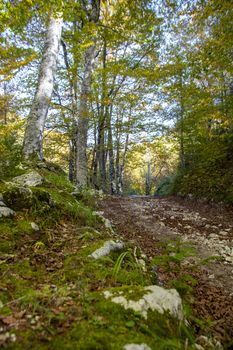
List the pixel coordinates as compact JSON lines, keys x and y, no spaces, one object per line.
{"x":94,"y":161}
{"x":111,"y":153}
{"x":101,"y":126}
{"x":84,"y":117}
{"x":83,"y":120}
{"x":118,"y":166}
{"x":33,"y":138}
{"x":148,"y":180}
{"x":122,"y":168}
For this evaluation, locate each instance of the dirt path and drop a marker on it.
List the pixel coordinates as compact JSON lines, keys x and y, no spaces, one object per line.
{"x":209,"y":228}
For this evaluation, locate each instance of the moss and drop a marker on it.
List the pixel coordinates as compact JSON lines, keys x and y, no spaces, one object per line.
{"x":18,"y":197}
{"x":63,"y":287}
{"x":58,"y":181}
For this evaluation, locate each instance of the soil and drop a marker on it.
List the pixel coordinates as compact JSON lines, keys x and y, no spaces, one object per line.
{"x":148,"y":221}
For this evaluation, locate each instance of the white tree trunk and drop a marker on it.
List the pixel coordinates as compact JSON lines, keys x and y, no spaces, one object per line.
{"x":33,"y":138}
{"x":83,"y":120}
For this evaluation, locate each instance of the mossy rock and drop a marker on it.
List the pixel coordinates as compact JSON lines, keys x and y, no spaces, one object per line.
{"x":55,"y":168}
{"x":42,"y":196}
{"x":18,"y":197}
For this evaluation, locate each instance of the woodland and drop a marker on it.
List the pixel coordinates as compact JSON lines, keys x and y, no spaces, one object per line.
{"x":116,"y":174}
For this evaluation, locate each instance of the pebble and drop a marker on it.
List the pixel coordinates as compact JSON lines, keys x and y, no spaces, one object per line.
{"x":223,"y":233}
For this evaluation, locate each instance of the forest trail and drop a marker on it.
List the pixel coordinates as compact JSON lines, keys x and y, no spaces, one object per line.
{"x":148,"y":222}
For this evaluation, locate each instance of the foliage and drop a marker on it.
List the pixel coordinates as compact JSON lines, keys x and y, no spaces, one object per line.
{"x":159,"y":156}
{"x":10,"y":149}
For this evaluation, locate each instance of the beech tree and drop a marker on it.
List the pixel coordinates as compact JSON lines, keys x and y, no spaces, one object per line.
{"x":33,"y":138}
{"x":84,"y":118}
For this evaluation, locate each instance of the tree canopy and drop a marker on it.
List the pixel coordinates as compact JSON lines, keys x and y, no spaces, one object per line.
{"x":129,"y":75}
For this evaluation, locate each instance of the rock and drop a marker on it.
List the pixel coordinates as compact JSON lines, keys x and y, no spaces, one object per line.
{"x":198,"y":347}
{"x":2,"y":204}
{"x":31,"y":179}
{"x":108,"y":247}
{"x":18,"y":197}
{"x":136,"y":347}
{"x":43,"y":196}
{"x":105,"y":221}
{"x":209,"y":343}
{"x":213,"y":235}
{"x":34,"y":226}
{"x":155,"y":298}
{"x":229,"y":259}
{"x":142,"y":263}
{"x":6,"y":212}
{"x":223,"y":233}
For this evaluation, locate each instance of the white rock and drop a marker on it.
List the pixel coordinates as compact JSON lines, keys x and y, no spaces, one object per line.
{"x":229,"y":259}
{"x":198,"y":347}
{"x":35,"y":227}
{"x":31,"y":179}
{"x":2,"y":204}
{"x":223,"y":233}
{"x":142,"y":263}
{"x":155,"y":298}
{"x":6,"y":212}
{"x":108,"y":247}
{"x":213,"y":235}
{"x":136,"y":347}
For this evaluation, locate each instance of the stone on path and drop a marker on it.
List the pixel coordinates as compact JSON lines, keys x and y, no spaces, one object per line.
{"x":107,"y":248}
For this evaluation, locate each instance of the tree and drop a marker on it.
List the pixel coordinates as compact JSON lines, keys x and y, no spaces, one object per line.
{"x":33,"y":138}
{"x":83,"y":119}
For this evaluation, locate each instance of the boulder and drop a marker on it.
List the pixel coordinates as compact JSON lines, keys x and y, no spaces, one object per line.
{"x":42,"y":196}
{"x":107,"y":248}
{"x":155,"y":298}
{"x":6,"y":212}
{"x":31,"y":179}
{"x":18,"y":197}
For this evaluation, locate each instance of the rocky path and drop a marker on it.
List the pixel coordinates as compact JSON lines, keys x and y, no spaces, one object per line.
{"x":208,"y":228}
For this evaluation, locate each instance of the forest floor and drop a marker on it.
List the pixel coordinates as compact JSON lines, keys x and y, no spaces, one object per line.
{"x":52,"y":290}
{"x":153,"y":223}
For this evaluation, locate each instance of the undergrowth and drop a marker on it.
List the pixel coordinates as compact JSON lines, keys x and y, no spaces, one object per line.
{"x":51,"y":290}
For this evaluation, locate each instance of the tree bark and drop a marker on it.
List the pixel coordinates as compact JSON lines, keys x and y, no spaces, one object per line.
{"x":111,"y":153}
{"x":33,"y":138}
{"x":83,"y":120}
{"x":84,"y":116}
{"x":101,"y":125}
